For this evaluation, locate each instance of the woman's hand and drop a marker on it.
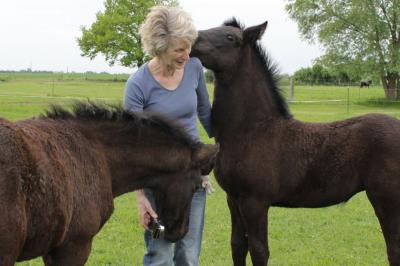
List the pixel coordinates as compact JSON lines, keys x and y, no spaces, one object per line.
{"x":206,"y":183}
{"x":145,"y":209}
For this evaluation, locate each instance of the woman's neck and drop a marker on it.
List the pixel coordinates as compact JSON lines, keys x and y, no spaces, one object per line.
{"x":159,"y":67}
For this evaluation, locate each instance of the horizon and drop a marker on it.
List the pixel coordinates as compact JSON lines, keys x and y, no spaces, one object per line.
{"x":43,"y":35}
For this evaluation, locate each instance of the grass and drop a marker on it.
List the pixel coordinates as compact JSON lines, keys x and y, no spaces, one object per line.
{"x":346,"y":234}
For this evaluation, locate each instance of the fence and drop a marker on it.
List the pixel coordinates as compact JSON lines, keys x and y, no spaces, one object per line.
{"x":323,"y":102}
{"x":338,"y":101}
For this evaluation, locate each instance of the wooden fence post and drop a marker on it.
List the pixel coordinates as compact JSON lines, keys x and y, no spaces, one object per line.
{"x":291,"y":97}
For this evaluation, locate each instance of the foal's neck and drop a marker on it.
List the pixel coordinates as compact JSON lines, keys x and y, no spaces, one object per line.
{"x":133,"y":157}
{"x":244,"y":97}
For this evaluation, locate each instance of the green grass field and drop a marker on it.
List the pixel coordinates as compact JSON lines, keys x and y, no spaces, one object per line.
{"x":347,"y":234}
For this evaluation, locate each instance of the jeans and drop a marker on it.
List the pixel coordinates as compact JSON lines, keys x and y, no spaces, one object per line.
{"x":186,"y":251}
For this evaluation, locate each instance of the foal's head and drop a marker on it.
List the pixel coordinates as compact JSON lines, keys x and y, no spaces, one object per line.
{"x":241,"y":64}
{"x":173,"y":198}
{"x":144,"y":151}
{"x":221,"y":48}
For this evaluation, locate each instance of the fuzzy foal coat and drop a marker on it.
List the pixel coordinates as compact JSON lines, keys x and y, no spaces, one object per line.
{"x":268,"y":158}
{"x":56,"y":187}
{"x":60,"y":173}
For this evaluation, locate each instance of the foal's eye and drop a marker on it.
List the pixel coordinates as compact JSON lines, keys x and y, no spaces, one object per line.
{"x":230,"y":37}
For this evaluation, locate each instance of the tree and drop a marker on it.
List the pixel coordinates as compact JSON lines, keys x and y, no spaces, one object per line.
{"x":115,"y":33}
{"x":303,"y":75}
{"x":320,"y":74}
{"x":362,"y":35}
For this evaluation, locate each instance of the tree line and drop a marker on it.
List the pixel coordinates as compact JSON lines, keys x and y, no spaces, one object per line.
{"x":318,"y":74}
{"x":358,"y":37}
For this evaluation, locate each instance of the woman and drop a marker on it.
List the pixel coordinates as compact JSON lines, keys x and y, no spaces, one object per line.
{"x":173,"y":84}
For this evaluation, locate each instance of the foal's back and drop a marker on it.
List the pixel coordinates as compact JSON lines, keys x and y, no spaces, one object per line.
{"x":300,"y":164}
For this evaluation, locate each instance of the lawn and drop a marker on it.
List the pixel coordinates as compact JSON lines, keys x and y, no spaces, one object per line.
{"x":346,"y":234}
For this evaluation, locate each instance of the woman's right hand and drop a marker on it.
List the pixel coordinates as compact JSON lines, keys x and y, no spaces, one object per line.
{"x":145,"y":209}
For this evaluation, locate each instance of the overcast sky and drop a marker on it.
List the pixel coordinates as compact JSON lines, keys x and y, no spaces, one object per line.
{"x":41,"y":34}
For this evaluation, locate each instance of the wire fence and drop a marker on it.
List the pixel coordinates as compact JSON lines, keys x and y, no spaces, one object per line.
{"x":343,"y":100}
{"x":328,"y":100}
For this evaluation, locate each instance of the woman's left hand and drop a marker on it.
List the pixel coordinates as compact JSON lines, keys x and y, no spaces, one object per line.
{"x":206,"y":183}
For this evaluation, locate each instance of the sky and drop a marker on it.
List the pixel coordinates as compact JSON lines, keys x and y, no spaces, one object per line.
{"x":42,"y":34}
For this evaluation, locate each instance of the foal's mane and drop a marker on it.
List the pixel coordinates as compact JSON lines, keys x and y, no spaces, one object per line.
{"x":270,"y":70}
{"x":130,"y":121}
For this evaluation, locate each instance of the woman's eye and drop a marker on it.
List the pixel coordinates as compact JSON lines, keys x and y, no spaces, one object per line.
{"x":229,"y":37}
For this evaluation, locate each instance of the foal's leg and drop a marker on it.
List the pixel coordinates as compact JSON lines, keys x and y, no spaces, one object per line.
{"x":7,"y":260}
{"x":12,"y":231}
{"x":387,"y":209}
{"x":254,"y":214}
{"x":71,"y":253}
{"x":238,"y":235}
{"x":10,"y":243}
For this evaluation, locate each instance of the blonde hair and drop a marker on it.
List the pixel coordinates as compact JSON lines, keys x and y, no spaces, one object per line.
{"x":163,"y":24}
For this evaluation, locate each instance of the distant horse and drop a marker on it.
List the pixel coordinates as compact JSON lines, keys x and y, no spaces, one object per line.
{"x":365,"y":83}
{"x":267,"y":158}
{"x":59,"y":175}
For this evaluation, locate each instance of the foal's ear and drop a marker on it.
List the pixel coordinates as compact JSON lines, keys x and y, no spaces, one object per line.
{"x":252,"y":34}
{"x":204,"y":157}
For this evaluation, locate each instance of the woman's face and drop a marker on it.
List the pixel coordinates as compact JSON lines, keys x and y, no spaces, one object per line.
{"x":177,"y":54}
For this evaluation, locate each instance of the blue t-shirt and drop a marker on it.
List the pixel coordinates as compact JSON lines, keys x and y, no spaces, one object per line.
{"x":189,"y":99}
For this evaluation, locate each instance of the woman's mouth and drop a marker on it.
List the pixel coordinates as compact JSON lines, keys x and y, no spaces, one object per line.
{"x":180,"y":62}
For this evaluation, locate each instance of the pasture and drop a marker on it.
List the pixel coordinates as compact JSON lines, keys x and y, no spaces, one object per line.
{"x":347,"y":234}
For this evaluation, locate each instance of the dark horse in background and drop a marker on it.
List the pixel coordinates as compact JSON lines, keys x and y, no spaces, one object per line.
{"x":59,"y":175}
{"x":268,"y":158}
{"x":365,"y":83}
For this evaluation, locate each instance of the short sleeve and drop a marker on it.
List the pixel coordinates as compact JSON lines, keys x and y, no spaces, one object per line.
{"x":134,"y":99}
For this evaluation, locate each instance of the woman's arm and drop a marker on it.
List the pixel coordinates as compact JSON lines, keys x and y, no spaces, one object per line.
{"x":203,"y":102}
{"x":134,"y":101}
